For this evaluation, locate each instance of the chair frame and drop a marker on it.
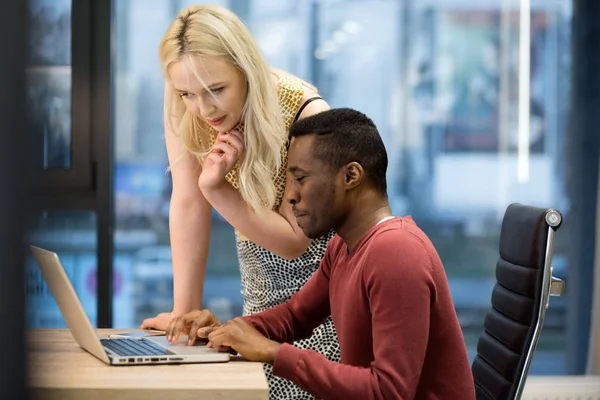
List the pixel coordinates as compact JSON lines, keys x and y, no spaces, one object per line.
{"x":551,"y":286}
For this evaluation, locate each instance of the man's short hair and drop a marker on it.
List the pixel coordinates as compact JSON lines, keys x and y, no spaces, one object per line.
{"x":344,"y":135}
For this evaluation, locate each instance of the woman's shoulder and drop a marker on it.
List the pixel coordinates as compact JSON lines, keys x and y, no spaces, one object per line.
{"x":290,"y":93}
{"x":293,"y":93}
{"x":285,"y":82}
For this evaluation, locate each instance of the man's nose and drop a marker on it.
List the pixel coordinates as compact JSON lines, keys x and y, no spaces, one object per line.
{"x":292,"y":197}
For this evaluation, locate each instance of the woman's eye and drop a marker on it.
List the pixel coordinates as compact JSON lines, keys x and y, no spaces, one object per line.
{"x":185,"y":95}
{"x":216,"y":90}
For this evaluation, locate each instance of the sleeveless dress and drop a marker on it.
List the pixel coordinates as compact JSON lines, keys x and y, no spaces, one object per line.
{"x":269,"y":280}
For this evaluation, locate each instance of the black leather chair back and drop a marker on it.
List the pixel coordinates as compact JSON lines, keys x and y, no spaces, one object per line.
{"x":524,"y":282}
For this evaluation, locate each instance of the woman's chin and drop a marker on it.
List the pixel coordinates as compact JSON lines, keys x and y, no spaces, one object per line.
{"x":224,"y":128}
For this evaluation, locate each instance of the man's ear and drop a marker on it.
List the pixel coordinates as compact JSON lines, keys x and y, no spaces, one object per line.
{"x":354,"y":175}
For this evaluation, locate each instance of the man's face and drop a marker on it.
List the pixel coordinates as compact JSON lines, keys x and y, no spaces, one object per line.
{"x":315,"y":190}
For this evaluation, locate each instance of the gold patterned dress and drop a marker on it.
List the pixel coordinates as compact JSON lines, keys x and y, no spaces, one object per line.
{"x":269,"y":280}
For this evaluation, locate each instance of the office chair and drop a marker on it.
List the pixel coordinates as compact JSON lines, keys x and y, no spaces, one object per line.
{"x":524,"y":284}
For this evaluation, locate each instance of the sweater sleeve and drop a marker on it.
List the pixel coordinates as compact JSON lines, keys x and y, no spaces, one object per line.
{"x":400,"y":289}
{"x":304,"y":311}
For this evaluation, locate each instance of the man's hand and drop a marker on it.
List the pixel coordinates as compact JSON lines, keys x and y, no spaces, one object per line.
{"x":223,"y":156}
{"x":189,"y":324}
{"x":242,"y":337}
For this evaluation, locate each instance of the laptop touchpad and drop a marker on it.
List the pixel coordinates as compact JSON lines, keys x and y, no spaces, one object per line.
{"x":181,"y":346}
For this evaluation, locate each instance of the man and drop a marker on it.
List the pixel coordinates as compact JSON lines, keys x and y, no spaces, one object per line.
{"x":381,"y":279}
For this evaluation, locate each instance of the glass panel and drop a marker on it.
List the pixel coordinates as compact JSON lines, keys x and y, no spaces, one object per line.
{"x":142,"y":262}
{"x":476,"y":122}
{"x":441,"y":81}
{"x":49,"y":82}
{"x":72,"y":235}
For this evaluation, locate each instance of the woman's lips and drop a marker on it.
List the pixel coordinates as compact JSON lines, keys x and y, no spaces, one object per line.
{"x":216,"y":122}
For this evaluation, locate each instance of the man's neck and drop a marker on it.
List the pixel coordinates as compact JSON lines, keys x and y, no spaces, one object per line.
{"x":365,"y":214}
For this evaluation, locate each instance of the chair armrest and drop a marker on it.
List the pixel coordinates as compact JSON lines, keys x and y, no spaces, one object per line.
{"x":557,"y":287}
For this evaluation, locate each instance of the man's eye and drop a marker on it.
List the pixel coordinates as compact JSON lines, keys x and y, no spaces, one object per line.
{"x":299,"y":179}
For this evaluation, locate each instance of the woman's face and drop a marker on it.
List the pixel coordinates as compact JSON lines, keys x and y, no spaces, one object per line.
{"x":221,"y":99}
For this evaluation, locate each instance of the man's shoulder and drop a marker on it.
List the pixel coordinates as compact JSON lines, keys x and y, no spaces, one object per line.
{"x":334,"y":245}
{"x":400,"y":233}
{"x":399,"y":241}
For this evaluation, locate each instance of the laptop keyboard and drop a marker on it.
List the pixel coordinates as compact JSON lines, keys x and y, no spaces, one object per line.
{"x":134,"y":347}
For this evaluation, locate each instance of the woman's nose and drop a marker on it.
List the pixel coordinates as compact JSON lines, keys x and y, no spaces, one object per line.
{"x":206,"y":107}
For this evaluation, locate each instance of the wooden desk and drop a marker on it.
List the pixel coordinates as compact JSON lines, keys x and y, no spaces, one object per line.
{"x":60,"y":369}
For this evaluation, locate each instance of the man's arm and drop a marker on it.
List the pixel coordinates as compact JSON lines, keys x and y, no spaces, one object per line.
{"x":304,"y":311}
{"x":400,"y":288}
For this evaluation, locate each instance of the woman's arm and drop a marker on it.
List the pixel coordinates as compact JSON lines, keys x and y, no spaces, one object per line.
{"x":276,"y":232}
{"x":271,"y":231}
{"x":189,"y":227}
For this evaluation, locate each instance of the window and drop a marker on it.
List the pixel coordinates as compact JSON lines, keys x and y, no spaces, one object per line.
{"x":72,"y":235}
{"x":58,"y":116}
{"x":441,"y":81}
{"x":49,"y":81}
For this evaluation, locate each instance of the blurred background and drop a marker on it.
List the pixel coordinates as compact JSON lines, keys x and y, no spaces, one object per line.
{"x":440,"y":78}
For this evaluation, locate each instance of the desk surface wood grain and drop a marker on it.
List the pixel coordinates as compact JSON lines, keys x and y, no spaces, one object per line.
{"x":59,"y":368}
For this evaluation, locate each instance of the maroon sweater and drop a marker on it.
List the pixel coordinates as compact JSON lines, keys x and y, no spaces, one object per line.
{"x":391,"y":305}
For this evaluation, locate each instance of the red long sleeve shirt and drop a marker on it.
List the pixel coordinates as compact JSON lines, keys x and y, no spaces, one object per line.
{"x":397,"y":327}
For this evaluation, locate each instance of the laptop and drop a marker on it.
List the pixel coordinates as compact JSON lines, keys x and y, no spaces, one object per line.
{"x":115,"y":350}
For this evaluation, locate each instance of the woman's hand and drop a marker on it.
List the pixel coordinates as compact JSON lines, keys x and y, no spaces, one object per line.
{"x":224,"y":154}
{"x":189,"y":323}
{"x":160,"y":322}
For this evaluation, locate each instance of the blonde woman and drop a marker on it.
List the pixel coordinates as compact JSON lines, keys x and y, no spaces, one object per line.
{"x":226,"y":119}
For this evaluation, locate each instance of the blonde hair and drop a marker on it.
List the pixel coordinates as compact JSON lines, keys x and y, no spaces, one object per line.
{"x":215,"y":31}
